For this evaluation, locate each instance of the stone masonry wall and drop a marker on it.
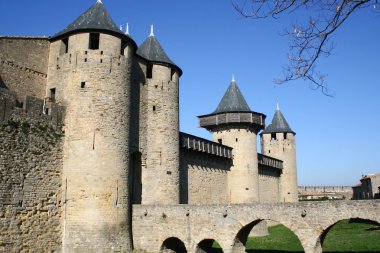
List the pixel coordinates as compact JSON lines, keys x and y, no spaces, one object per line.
{"x":203,"y":178}
{"x":30,"y":179}
{"x":268,"y":185}
{"x":243,"y":179}
{"x":23,"y":65}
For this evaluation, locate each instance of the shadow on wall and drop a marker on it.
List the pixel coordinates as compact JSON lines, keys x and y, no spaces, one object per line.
{"x":2,"y":84}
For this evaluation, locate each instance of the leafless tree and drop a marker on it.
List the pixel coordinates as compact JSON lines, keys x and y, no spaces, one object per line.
{"x":310,"y":40}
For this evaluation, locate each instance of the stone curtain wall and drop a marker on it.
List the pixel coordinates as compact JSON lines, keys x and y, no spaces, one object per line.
{"x":30,"y":179}
{"x":153,"y":224}
{"x":23,"y":65}
{"x":203,"y":178}
{"x":269,"y":181}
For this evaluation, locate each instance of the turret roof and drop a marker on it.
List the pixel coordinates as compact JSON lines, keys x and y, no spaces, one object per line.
{"x":152,"y":50}
{"x":278,"y":124}
{"x":233,"y":100}
{"x":95,"y":18}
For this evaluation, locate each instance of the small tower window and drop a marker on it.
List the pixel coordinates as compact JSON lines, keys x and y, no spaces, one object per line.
{"x":94,"y":41}
{"x":285,"y":136}
{"x":149,"y":71}
{"x":123,"y":46}
{"x":83,"y":85}
{"x":172,"y":74}
{"x":273,"y":136}
{"x":52,"y":94}
{"x":154,"y":108}
{"x":64,"y":46}
{"x":220,"y":141}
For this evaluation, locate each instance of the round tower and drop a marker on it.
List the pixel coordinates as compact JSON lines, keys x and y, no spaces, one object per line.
{"x":278,"y":141}
{"x":234,"y":124}
{"x":89,"y":73}
{"x":160,"y":175}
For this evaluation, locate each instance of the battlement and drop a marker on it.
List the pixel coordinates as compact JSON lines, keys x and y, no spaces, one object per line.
{"x":270,"y":161}
{"x":30,"y":108}
{"x":202,"y":145}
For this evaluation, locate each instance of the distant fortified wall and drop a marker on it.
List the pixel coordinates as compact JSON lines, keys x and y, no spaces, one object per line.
{"x":332,"y":192}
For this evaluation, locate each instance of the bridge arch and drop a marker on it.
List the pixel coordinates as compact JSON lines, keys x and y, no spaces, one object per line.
{"x":205,"y":246}
{"x":173,"y":245}
{"x":240,"y":240}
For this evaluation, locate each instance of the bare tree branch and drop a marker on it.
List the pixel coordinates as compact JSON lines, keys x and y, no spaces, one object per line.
{"x":310,"y":40}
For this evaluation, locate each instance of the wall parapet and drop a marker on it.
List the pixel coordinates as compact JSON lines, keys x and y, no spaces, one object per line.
{"x":270,"y":161}
{"x":195,"y":143}
{"x":31,"y":108}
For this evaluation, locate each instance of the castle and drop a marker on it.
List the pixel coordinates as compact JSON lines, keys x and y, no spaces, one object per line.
{"x":90,"y":127}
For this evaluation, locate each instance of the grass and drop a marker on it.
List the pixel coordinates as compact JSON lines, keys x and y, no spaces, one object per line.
{"x":346,"y":236}
{"x":353,"y":236}
{"x":280,"y":239}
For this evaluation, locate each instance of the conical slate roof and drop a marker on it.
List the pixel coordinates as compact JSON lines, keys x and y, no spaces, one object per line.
{"x":233,"y":100}
{"x":278,"y":124}
{"x":95,"y":18}
{"x":152,"y":50}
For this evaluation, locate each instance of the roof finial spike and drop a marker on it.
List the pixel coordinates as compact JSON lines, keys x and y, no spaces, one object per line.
{"x":99,"y":1}
{"x":277,"y":107}
{"x":151,"y":30}
{"x":121,"y":27}
{"x":127,"y":29}
{"x":233,"y":77}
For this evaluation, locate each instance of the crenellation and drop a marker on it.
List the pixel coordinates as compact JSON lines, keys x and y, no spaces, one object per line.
{"x":32,"y":108}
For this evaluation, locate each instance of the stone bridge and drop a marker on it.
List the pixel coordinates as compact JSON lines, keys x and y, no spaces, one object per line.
{"x":190,"y":228}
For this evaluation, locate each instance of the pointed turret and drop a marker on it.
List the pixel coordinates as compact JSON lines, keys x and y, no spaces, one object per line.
{"x":233,"y":100}
{"x":234,"y":124}
{"x":233,"y":108}
{"x":278,"y":141}
{"x":152,"y":50}
{"x":278,"y":124}
{"x":95,"y":18}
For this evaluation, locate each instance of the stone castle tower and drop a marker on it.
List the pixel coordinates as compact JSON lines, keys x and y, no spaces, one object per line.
{"x":94,"y":71}
{"x":161,"y":93}
{"x":89,"y":73}
{"x":234,"y":124}
{"x":278,"y":141}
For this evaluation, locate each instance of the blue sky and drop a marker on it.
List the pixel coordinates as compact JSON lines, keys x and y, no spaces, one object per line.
{"x":338,"y":139}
